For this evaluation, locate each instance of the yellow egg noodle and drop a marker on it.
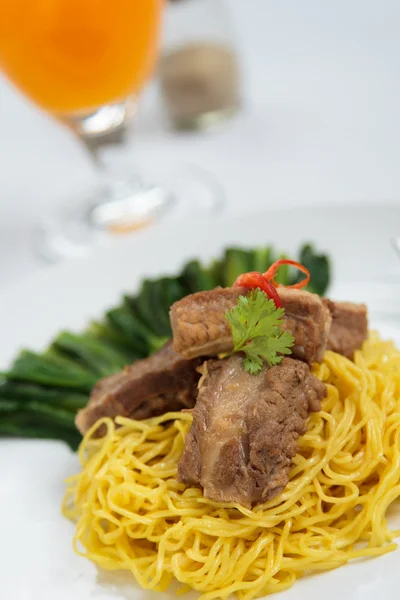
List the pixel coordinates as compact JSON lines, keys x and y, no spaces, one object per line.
{"x":132,"y":514}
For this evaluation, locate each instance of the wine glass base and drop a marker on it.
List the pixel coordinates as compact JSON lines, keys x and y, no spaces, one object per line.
{"x":121,"y":205}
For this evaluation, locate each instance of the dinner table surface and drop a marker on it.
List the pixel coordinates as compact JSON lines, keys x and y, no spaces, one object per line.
{"x":319,"y":123}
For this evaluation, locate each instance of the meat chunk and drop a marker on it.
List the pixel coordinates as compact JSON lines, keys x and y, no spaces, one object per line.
{"x":147,"y":388}
{"x":349,"y":327}
{"x":245,"y":428}
{"x":198,"y":322}
{"x":309,"y":321}
{"x":200,"y":327}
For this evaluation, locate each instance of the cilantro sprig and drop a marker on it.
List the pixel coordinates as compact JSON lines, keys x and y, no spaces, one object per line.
{"x":256,"y":326}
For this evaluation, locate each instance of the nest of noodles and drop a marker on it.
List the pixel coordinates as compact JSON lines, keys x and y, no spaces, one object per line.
{"x":131,"y":513}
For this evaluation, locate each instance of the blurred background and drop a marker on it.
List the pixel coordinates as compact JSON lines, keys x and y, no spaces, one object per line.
{"x":259,"y":104}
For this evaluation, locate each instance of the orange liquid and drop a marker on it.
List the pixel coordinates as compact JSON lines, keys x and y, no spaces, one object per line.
{"x":72,"y":56}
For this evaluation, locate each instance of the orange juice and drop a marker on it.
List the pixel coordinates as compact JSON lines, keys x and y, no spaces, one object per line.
{"x":72,"y":56}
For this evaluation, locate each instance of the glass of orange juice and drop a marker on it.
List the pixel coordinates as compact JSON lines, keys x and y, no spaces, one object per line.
{"x":85,"y":62}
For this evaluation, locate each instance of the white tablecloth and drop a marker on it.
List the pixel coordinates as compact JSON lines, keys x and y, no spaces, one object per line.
{"x":321,"y":122}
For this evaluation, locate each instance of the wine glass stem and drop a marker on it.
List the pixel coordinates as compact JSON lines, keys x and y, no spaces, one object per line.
{"x":99,"y":128}
{"x":124,"y":200}
{"x":94,"y":145}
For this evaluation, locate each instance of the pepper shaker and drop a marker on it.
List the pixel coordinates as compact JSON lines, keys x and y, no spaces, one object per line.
{"x":199,"y":72}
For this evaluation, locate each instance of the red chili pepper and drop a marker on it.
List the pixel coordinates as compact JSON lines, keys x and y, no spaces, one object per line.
{"x":256,"y":280}
{"x":269,"y":275}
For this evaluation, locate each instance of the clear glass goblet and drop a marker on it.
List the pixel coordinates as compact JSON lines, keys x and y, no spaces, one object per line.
{"x":85,"y":62}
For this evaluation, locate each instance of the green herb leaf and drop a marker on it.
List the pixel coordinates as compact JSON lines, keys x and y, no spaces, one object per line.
{"x":256,"y":326}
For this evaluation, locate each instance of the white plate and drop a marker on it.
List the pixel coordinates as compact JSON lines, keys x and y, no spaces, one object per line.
{"x":36,"y":558}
